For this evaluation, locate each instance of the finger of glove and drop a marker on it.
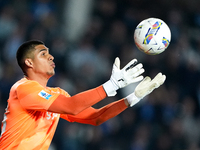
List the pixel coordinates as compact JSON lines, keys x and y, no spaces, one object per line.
{"x":132,"y":78}
{"x":152,"y":86}
{"x":117,"y":63}
{"x":143,"y":83}
{"x":162,"y":79}
{"x":144,"y":90}
{"x":137,"y":79}
{"x":157,"y":85}
{"x":130,"y":65}
{"x":144,"y":87}
{"x":159,"y":78}
{"x":134,"y":69}
{"x":137,"y":73}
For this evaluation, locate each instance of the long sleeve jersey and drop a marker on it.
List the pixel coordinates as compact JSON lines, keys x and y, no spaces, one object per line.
{"x":32,"y":113}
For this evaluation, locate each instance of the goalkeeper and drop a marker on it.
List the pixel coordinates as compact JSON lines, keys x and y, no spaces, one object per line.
{"x":34,"y":109}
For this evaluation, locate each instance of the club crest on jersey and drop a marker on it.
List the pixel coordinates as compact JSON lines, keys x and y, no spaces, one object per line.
{"x":45,"y":95}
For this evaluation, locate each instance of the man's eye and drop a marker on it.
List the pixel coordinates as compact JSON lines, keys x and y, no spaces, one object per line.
{"x":43,"y":54}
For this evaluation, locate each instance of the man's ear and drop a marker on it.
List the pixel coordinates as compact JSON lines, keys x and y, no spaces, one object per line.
{"x":29,"y":62}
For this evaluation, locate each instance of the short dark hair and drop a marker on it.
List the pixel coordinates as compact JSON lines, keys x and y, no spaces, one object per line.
{"x":25,"y":50}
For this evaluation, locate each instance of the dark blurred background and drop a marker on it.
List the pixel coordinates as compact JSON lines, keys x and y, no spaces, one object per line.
{"x":85,"y":36}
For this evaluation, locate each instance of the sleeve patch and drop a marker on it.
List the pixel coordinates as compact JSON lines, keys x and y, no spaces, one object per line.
{"x":44,"y":95}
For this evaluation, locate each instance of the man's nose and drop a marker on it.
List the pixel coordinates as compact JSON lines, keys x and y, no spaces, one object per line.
{"x":51,"y":57}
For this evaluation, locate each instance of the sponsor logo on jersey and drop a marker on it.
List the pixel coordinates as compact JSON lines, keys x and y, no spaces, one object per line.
{"x":45,"y":95}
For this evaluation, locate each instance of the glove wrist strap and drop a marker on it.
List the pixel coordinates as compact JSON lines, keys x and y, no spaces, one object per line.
{"x":132,"y":99}
{"x":110,"y":88}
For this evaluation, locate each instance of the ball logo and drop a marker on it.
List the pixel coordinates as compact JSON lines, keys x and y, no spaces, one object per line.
{"x":152,"y":31}
{"x":165,"y":42}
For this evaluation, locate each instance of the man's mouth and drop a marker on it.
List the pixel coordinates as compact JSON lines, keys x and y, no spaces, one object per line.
{"x":53,"y":65}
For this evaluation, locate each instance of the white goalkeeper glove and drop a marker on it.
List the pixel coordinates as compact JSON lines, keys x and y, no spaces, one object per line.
{"x":121,"y":78}
{"x":144,"y":88}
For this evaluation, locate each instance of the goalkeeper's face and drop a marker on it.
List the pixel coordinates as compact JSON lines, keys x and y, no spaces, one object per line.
{"x":43,"y":64}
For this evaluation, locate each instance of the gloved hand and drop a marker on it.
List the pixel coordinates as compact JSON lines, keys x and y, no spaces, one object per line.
{"x":144,"y":88}
{"x":121,"y":78}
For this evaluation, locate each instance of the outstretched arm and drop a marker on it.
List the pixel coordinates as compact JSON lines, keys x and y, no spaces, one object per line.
{"x":77,"y":103}
{"x":119,"y":79}
{"x":98,"y":116}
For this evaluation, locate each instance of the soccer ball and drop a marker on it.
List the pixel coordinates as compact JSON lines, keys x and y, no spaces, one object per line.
{"x":152,"y":36}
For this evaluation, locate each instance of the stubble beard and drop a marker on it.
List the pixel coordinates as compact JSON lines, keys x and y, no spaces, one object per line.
{"x":51,"y":73}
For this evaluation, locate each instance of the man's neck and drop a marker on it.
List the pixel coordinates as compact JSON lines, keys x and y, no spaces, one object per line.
{"x":40,"y":79}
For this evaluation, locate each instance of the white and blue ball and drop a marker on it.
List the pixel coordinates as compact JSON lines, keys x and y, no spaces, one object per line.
{"x":152,"y":36}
